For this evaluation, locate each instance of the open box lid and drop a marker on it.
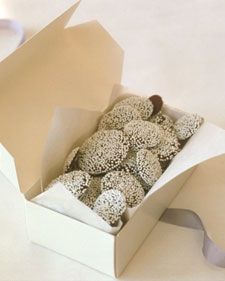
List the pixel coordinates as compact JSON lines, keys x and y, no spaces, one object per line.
{"x":76,"y":66}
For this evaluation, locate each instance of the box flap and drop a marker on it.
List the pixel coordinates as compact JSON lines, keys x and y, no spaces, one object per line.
{"x":8,"y":167}
{"x":74,"y":67}
{"x":34,"y":45}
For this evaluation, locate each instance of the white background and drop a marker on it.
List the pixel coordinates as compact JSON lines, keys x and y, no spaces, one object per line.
{"x":174,"y":48}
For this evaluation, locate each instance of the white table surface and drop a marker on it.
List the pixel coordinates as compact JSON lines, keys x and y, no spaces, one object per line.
{"x":175,"y":48}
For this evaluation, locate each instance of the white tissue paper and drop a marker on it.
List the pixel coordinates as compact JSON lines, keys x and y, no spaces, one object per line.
{"x":208,"y":142}
{"x":59,"y":199}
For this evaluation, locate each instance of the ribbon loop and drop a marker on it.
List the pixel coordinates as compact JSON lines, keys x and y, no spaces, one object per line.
{"x":187,"y":218}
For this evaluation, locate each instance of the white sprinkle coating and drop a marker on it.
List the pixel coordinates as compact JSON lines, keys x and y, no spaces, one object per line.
{"x":118,"y":118}
{"x":168,"y":147}
{"x":163,"y":120}
{"x":110,"y":206}
{"x":144,"y":185}
{"x":92,"y":192}
{"x":76,"y":182}
{"x":129,"y":163}
{"x":187,"y":125}
{"x":142,"y":134}
{"x":103,"y":151}
{"x":70,"y":164}
{"x":148,"y":166}
{"x":127,"y":184}
{"x":142,"y":104}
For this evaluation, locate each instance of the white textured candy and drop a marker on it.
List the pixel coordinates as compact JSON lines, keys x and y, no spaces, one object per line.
{"x":141,"y":104}
{"x":144,"y":185}
{"x":168,"y":147}
{"x":70,"y":164}
{"x":129,"y":163}
{"x":187,"y":125}
{"x":142,"y":134}
{"x":92,"y":192}
{"x":110,"y":206}
{"x":118,"y":117}
{"x":103,"y":151}
{"x":127,"y":184}
{"x":163,"y":120}
{"x":76,"y":182}
{"x":148,"y":166}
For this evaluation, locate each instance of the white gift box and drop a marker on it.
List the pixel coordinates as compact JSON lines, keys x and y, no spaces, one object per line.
{"x":70,"y":69}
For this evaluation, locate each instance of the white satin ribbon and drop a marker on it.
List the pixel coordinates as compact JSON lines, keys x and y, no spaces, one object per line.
{"x":187,"y":218}
{"x":11,"y":36}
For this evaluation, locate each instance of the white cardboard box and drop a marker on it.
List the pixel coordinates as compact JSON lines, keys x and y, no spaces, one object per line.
{"x":77,"y":67}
